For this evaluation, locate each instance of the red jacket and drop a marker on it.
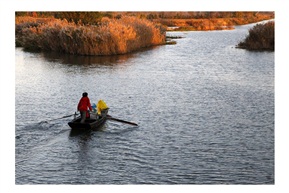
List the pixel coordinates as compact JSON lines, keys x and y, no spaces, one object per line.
{"x":84,"y":104}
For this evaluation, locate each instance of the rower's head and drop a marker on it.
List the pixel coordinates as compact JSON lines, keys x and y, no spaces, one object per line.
{"x":84,"y":94}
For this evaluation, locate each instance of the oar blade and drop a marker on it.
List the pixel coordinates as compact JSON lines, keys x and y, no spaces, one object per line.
{"x":122,"y":121}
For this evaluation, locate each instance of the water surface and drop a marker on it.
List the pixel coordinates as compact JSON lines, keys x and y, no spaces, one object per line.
{"x":205,"y":112}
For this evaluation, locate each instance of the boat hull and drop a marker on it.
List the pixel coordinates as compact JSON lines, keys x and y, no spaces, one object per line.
{"x":92,"y":123}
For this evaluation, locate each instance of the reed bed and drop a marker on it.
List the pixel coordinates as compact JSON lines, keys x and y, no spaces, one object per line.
{"x":208,"y":23}
{"x":260,"y":37}
{"x":109,"y":37}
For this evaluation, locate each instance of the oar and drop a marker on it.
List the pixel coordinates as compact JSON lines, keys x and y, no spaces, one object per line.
{"x":59,"y":118}
{"x":119,"y":120}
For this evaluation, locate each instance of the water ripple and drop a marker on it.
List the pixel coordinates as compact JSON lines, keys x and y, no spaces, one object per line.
{"x":205,"y":112}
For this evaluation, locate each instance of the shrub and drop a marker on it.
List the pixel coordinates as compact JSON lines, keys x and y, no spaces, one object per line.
{"x":111,"y":36}
{"x":24,"y":24}
{"x":261,"y":37}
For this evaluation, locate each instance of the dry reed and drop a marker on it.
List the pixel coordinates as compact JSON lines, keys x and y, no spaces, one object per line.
{"x":111,"y":36}
{"x":260,"y":37}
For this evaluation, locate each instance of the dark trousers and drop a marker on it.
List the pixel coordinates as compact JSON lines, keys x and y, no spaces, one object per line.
{"x":83,"y":116}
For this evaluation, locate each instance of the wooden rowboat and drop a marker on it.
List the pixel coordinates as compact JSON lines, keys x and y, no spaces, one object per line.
{"x":93,"y":123}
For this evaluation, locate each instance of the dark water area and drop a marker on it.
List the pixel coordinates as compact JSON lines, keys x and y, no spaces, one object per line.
{"x":205,"y":112}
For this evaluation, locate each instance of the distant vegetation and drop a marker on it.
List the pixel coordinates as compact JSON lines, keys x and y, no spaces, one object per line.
{"x":260,"y":37}
{"x":184,"y":20}
{"x":107,"y":33}
{"x":204,"y":21}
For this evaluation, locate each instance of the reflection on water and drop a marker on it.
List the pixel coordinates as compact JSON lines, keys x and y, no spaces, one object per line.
{"x":85,"y":60}
{"x":205,"y":112}
{"x":88,"y":60}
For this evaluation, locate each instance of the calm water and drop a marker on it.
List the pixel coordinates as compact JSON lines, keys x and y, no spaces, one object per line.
{"x":205,"y":112}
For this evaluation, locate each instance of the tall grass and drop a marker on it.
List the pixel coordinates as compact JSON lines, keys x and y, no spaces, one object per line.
{"x":260,"y":37}
{"x":206,"y":24}
{"x":111,"y":36}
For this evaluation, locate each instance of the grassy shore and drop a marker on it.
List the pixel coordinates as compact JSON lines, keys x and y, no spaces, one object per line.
{"x":209,"y":24}
{"x":260,"y":37}
{"x":109,"y":37}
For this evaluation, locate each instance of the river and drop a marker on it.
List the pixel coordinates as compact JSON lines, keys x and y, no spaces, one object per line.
{"x":205,"y":112}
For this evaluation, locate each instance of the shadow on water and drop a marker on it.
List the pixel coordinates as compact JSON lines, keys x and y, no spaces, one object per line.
{"x":86,"y":60}
{"x":79,"y":132}
{"x":108,"y":128}
{"x":70,"y":59}
{"x":85,"y":132}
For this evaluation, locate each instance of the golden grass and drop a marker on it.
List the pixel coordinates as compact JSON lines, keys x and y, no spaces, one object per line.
{"x":111,"y":36}
{"x":210,"y":23}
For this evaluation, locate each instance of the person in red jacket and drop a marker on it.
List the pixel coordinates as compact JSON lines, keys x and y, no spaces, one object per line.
{"x":83,"y":106}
